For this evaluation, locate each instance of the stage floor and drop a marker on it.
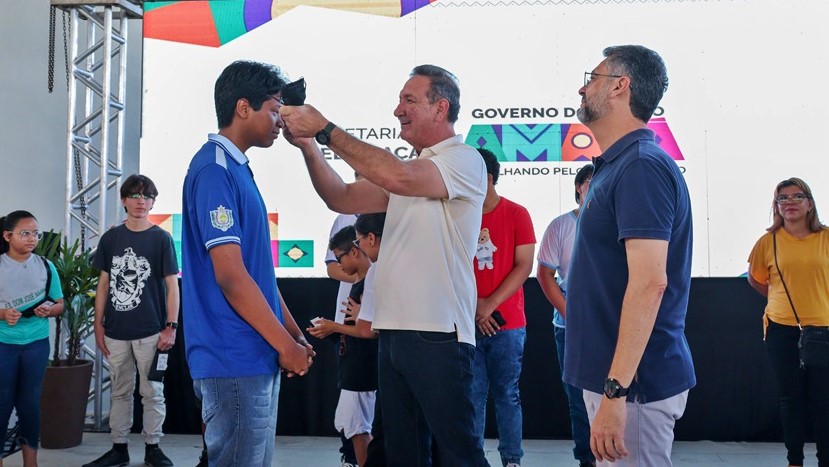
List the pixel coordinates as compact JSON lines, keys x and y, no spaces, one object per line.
{"x":310,"y":451}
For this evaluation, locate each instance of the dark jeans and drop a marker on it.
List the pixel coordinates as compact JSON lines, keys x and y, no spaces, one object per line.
{"x":803,"y":394}
{"x":579,"y":424}
{"x":425,"y":390}
{"x":21,"y":379}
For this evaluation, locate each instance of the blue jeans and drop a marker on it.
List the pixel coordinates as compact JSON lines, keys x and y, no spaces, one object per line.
{"x":497,"y":367}
{"x":425,"y":389}
{"x":240,"y":419}
{"x":21,"y":379}
{"x":579,"y":424}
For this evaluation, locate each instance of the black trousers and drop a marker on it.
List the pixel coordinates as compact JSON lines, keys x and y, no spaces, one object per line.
{"x":803,"y":394}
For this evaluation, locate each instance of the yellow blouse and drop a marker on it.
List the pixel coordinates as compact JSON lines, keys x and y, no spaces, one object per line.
{"x":804,"y":263}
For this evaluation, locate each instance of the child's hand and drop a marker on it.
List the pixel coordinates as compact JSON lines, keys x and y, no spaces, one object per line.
{"x":352,"y":309}
{"x":323,"y":329}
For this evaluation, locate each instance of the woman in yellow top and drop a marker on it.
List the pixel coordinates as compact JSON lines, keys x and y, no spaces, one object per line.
{"x":803,"y":259}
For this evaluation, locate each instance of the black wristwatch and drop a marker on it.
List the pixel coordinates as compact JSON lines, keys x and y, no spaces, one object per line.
{"x":324,"y":136}
{"x":614,"y":390}
{"x":172,"y":324}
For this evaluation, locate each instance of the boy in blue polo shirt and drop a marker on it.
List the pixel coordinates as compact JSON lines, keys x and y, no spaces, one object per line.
{"x":239,"y":332}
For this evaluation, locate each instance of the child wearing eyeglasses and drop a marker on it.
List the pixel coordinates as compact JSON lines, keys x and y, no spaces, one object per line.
{"x":136,"y":315}
{"x":356,"y":350}
{"x":30,"y":293}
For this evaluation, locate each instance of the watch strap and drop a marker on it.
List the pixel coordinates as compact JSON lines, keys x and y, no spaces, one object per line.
{"x":172,"y":324}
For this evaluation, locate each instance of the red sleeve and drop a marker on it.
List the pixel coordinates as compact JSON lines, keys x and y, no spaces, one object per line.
{"x":524,"y":231}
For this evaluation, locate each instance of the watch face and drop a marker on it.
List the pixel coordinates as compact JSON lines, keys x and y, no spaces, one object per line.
{"x":323,"y":137}
{"x":612,"y":388}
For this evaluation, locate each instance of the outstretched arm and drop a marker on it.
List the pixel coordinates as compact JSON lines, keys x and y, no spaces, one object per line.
{"x":361,"y":196}
{"x":410,"y":178}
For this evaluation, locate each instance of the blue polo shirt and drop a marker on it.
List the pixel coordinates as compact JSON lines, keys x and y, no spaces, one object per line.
{"x":221,"y":204}
{"x":637,"y":191}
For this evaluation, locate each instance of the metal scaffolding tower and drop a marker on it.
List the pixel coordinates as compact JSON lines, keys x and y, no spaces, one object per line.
{"x":97,"y":75}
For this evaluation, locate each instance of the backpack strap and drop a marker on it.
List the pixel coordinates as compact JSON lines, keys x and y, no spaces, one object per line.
{"x":48,"y":276}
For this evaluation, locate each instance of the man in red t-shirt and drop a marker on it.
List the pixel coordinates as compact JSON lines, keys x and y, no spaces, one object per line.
{"x":503,"y":261}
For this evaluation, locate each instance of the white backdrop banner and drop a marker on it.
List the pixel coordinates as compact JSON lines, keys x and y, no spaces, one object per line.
{"x":745,"y":104}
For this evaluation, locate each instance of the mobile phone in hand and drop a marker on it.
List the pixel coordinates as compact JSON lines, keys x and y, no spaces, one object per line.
{"x":496,"y":315}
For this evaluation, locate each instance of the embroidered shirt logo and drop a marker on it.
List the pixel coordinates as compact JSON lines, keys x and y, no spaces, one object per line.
{"x":221,"y":218}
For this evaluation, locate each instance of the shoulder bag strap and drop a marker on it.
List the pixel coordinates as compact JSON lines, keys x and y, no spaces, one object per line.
{"x":780,"y":273}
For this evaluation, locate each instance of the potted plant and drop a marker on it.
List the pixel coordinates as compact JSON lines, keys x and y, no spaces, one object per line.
{"x":65,"y":391}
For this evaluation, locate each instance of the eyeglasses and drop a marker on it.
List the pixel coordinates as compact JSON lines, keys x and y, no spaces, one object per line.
{"x":589,"y":75}
{"x":140,"y":196}
{"x":30,"y":233}
{"x":340,"y":256}
{"x":356,"y":242}
{"x":796,"y":198}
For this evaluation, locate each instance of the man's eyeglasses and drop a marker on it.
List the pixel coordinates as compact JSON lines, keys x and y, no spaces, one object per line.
{"x":27,"y":234}
{"x":340,"y":256}
{"x":140,"y":196}
{"x":589,"y":75}
{"x":796,"y":198}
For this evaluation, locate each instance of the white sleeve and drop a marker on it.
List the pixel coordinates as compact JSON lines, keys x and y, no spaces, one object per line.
{"x":368,"y":303}
{"x":549,"y":251}
{"x":463,"y":171}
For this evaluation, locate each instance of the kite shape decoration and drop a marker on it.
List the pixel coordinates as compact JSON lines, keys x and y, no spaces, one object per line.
{"x":214,"y":23}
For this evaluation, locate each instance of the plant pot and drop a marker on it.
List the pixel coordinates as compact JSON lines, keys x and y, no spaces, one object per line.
{"x":63,"y":404}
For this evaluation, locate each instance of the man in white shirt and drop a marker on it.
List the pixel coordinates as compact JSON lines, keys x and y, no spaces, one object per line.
{"x":425,"y":306}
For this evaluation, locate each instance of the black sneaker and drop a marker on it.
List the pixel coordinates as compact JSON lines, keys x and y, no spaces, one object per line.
{"x":154,"y":457}
{"x":119,"y":456}
{"x":587,"y":463}
{"x":203,"y":459}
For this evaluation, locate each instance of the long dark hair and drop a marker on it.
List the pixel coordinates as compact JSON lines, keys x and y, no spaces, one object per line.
{"x":8,"y":223}
{"x":812,"y":219}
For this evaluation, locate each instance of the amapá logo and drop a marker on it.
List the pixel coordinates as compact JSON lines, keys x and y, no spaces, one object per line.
{"x":554,"y":142}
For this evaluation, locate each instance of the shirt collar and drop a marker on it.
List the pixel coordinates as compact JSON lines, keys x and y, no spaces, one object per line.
{"x":433,"y":150}
{"x":624,"y":142}
{"x":229,"y":148}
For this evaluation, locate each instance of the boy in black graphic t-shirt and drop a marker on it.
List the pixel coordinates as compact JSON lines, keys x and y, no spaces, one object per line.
{"x":136,"y":314}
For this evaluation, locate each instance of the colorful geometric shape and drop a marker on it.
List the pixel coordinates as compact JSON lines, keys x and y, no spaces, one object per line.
{"x":553,"y":142}
{"x":288,"y":253}
{"x":296,"y":253}
{"x":187,"y":22}
{"x":578,"y":143}
{"x":213,"y":23}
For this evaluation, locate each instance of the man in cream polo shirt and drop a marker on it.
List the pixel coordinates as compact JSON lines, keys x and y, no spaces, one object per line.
{"x":425,"y":285}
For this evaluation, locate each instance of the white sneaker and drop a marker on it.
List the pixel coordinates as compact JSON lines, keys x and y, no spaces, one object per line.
{"x":513,"y":464}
